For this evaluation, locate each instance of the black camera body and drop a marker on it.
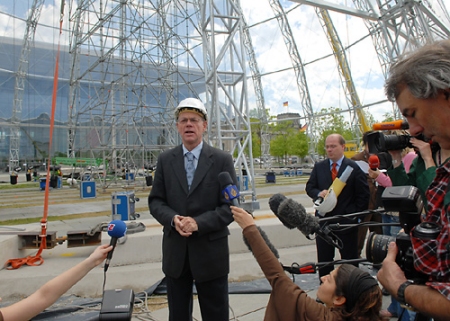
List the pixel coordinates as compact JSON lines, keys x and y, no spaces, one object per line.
{"x":379,"y":142}
{"x":407,"y":201}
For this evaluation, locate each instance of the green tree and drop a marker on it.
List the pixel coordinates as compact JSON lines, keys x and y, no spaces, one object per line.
{"x":331,"y":120}
{"x":282,"y":134}
{"x":388,"y":117}
{"x":298,"y":144}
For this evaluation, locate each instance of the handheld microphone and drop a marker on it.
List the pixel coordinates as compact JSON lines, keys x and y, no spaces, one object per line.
{"x":295,"y":215}
{"x":231,"y":194}
{"x":391,"y":125}
{"x":229,"y":190}
{"x":374,"y":162}
{"x":116,"y":229}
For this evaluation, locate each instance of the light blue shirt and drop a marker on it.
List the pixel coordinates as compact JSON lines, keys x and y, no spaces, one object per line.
{"x":338,"y":163}
{"x":196,"y":151}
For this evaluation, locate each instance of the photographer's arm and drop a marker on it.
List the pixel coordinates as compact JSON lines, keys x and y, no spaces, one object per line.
{"x":424,"y":150}
{"x":421,"y":297}
{"x":428,"y":301}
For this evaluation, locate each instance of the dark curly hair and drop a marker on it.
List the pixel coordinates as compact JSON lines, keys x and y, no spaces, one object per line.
{"x":367,"y":306}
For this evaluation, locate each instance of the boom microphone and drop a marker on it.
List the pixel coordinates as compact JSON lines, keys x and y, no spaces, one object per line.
{"x":229,"y":190}
{"x":274,"y":203}
{"x":295,"y":215}
{"x":266,"y":239}
{"x":116,"y":229}
{"x":374,"y":162}
{"x":391,"y":125}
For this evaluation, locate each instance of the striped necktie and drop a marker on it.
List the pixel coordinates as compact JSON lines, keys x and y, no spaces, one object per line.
{"x":190,"y":168}
{"x":334,"y":172}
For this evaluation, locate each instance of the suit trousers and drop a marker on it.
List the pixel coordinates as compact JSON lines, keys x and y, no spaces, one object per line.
{"x":325,"y":251}
{"x":212,"y":297}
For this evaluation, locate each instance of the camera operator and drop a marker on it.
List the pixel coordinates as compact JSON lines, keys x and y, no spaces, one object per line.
{"x":420,"y":84}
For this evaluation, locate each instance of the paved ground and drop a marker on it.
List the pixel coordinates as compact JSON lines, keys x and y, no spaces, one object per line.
{"x":136,"y":263}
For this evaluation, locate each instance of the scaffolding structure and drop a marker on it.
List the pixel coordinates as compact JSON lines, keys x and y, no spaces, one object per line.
{"x":132,"y":61}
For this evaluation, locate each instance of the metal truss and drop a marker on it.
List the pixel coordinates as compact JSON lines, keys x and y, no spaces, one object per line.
{"x":19,"y":88}
{"x":133,"y":61}
{"x":344,"y":70}
{"x":297,"y":64}
{"x":396,"y":26}
{"x":223,"y":36}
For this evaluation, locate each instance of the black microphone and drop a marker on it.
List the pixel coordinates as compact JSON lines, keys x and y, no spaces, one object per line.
{"x":116,"y":229}
{"x":274,"y":203}
{"x":295,"y":215}
{"x":229,"y":190}
{"x":266,"y":239}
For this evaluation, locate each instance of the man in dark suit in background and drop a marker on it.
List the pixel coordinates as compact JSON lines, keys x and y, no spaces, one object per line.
{"x":353,"y":198}
{"x":195,"y":218}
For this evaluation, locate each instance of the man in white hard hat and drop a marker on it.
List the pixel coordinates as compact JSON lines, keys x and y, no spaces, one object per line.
{"x":186,"y":198}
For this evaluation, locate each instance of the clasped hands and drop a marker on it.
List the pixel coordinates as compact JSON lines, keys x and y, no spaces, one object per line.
{"x":185,"y":225}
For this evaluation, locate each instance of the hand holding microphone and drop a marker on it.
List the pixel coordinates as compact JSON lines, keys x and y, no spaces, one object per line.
{"x":116,"y":229}
{"x":241,"y":216}
{"x":229,"y":190}
{"x":374,"y":163}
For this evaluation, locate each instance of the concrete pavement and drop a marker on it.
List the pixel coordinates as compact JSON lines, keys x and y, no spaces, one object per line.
{"x":136,"y":263}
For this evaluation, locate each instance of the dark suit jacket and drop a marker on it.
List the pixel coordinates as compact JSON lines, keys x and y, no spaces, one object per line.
{"x":355,"y":195}
{"x":207,"y":249}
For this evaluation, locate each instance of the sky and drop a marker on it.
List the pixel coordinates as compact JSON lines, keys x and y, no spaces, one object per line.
{"x":324,"y":84}
{"x":278,"y":78}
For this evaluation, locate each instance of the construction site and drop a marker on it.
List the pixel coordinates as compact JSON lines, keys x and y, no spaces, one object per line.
{"x":90,"y":88}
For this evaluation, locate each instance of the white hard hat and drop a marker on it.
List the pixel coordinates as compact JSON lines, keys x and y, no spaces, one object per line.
{"x":192,"y":105}
{"x":328,"y":204}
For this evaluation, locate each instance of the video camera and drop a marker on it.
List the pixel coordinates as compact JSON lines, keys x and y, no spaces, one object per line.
{"x":379,"y":142}
{"x":405,"y":200}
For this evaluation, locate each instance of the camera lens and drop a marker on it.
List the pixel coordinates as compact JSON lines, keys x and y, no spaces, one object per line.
{"x":427,"y":231}
{"x":394,"y":142}
{"x":377,"y":247}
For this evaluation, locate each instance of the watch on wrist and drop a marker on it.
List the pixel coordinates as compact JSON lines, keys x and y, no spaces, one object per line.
{"x":401,"y":294}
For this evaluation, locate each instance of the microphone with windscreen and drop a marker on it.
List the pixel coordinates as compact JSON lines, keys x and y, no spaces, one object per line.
{"x":294,"y":215}
{"x":274,"y":203}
